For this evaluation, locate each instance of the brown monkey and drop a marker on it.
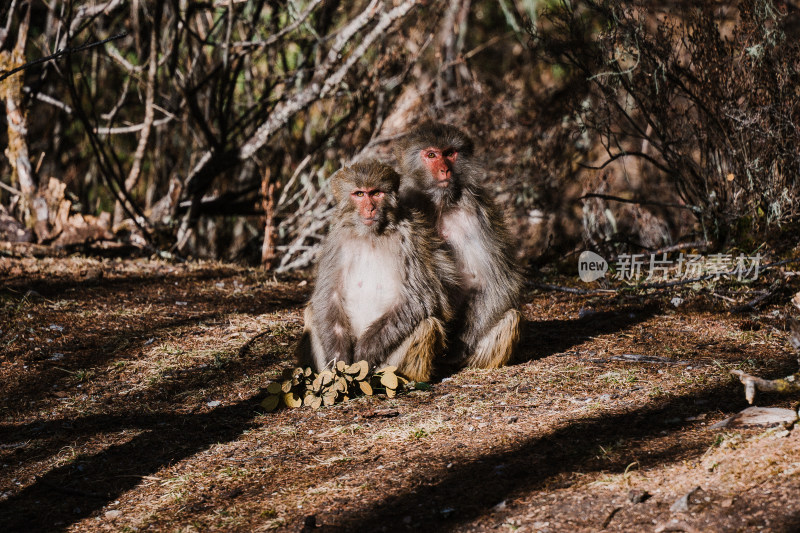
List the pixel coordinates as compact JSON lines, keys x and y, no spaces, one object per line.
{"x":440,"y":177}
{"x":379,"y":295}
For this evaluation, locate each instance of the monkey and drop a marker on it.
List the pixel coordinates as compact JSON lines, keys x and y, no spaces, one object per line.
{"x":441,"y":178}
{"x":379,"y":294}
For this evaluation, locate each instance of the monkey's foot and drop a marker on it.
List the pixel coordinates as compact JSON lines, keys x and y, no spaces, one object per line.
{"x":494,"y":349}
{"x":414,"y":358}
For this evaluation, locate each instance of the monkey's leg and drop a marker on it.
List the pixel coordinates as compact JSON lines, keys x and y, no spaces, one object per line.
{"x":493,"y":350}
{"x":414,"y":357}
{"x":309,"y":350}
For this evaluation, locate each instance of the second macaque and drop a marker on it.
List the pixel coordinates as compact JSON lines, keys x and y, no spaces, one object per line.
{"x":379,"y":293}
{"x":441,"y":178}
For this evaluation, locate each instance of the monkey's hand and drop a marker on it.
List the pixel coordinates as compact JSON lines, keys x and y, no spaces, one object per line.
{"x":334,"y":333}
{"x":384,"y":335}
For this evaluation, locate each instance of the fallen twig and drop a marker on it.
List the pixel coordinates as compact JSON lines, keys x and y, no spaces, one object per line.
{"x":752,"y":304}
{"x":786,"y":385}
{"x":246,"y":346}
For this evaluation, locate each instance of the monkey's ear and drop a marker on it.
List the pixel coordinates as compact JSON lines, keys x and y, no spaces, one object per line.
{"x":337,"y":183}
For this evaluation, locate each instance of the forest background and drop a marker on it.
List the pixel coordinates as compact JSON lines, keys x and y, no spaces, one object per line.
{"x":210,"y":129}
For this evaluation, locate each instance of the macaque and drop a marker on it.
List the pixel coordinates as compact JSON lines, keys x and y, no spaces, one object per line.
{"x":440,"y":177}
{"x":379,"y":293}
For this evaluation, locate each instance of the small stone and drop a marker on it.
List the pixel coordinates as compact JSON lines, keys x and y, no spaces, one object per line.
{"x":638,"y":496}
{"x":111,"y":515}
{"x":759,"y":416}
{"x":681,"y":505}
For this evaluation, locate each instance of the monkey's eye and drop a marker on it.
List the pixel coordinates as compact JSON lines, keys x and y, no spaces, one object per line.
{"x":431,"y":155}
{"x":359,"y":193}
{"x":377,"y":194}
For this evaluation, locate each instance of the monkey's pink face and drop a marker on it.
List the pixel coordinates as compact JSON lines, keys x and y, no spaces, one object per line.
{"x":368,"y":203}
{"x":440,"y":164}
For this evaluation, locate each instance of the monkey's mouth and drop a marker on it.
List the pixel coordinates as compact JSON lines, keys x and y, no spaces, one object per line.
{"x":443,"y":183}
{"x":369,"y":221}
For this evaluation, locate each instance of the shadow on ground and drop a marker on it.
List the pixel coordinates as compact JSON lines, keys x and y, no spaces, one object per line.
{"x":471,"y":489}
{"x":543,"y":338}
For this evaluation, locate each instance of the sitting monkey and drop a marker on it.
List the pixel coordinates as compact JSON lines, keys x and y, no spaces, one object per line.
{"x":379,"y":294}
{"x":441,"y":178}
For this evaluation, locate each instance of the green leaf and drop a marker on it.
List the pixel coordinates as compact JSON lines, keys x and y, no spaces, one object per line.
{"x":271,"y":402}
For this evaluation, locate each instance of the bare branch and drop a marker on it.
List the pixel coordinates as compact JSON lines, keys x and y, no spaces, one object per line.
{"x":637,"y":202}
{"x":58,"y":54}
{"x":274,"y":38}
{"x":132,"y":129}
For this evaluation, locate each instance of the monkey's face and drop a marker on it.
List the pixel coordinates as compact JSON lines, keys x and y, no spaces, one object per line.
{"x":368,"y":203}
{"x":439,"y":163}
{"x":367,"y":196}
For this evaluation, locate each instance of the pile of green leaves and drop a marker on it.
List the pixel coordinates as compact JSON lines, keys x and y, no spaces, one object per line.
{"x":303,"y":387}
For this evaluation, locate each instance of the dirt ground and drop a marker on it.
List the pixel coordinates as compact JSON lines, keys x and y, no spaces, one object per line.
{"x":127,"y":403}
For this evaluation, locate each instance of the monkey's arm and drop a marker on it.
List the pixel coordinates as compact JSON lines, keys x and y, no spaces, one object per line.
{"x":388,"y":332}
{"x":333,"y":326}
{"x":501,"y":284}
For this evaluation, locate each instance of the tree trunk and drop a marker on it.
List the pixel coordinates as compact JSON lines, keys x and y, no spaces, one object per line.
{"x":34,"y":207}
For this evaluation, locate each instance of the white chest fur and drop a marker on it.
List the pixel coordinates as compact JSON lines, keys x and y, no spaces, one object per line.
{"x":371,"y":282}
{"x":461,"y":229}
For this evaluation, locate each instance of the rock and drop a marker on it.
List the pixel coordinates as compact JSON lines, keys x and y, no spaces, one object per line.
{"x":681,"y":505}
{"x":499,"y":507}
{"x":113,"y":514}
{"x":759,"y":416}
{"x":638,"y":496}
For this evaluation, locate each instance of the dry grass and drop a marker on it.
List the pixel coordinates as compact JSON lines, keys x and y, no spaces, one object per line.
{"x":151,"y":412}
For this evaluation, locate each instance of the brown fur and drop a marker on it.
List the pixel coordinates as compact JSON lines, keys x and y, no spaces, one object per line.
{"x":397,"y":255}
{"x":488,"y":284}
{"x":414,"y":356}
{"x":495,"y":348}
